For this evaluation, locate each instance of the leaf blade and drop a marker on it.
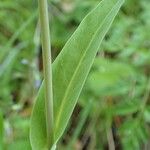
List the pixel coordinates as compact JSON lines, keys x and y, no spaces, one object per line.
{"x":71,"y":68}
{"x":1,"y":130}
{"x":80,"y":73}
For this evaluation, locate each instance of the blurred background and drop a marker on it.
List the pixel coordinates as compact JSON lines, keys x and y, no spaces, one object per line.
{"x":113,"y":111}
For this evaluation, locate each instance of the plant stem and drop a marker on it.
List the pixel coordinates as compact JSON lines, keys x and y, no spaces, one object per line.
{"x":111,"y":142}
{"x":46,"y":50}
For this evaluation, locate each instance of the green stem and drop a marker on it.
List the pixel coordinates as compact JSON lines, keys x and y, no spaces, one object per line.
{"x":46,"y":50}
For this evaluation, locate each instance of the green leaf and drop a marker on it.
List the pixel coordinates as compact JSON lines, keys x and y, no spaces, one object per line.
{"x":70,"y":71}
{"x":126,"y":108}
{"x":1,"y":131}
{"x":19,"y":144}
{"x":110,"y":78}
{"x":147,"y":114}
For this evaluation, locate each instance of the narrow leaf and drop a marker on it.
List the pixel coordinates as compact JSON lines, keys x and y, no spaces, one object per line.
{"x":70,"y":70}
{"x":1,"y":131}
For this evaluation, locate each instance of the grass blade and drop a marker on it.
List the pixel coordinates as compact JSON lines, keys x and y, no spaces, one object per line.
{"x":1,"y":131}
